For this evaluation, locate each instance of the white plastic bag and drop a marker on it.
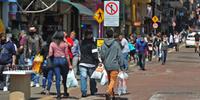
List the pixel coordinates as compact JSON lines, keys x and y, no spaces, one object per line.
{"x":71,"y":79}
{"x":122,"y":83}
{"x":104,"y":78}
{"x":123,"y":75}
{"x":97,"y":74}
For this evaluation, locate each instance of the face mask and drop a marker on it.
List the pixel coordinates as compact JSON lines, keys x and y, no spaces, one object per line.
{"x":3,"y":41}
{"x":31,"y":33}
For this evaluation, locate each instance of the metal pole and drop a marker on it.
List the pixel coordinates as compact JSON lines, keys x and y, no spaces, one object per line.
{"x":124,"y":22}
{"x":99,"y":30}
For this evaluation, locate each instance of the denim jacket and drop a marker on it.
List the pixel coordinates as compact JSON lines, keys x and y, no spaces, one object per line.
{"x":76,"y":49}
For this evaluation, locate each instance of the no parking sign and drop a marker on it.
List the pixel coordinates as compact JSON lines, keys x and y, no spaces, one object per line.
{"x":111,"y":13}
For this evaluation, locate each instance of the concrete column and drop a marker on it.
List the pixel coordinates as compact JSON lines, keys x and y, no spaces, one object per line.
{"x":65,"y":22}
{"x":5,"y":12}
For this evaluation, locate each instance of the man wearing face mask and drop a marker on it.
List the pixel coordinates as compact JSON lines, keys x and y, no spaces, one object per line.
{"x":7,"y":57}
{"x":33,"y":47}
{"x":34,"y":42}
{"x":141,"y":49}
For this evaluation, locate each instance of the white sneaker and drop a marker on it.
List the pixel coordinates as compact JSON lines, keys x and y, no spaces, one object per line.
{"x":32,"y":84}
{"x":37,"y":85}
{"x":5,"y":88}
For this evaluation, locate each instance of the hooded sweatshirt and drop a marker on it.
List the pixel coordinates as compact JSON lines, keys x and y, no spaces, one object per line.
{"x":111,"y":55}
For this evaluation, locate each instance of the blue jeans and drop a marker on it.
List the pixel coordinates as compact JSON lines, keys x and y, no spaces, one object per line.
{"x":21,"y":59}
{"x":84,"y":72}
{"x":164,"y":56}
{"x":125,"y":55}
{"x":58,"y":62}
{"x":35,"y":78}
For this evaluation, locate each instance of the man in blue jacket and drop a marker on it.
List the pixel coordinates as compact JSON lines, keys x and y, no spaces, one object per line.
{"x":141,"y":48}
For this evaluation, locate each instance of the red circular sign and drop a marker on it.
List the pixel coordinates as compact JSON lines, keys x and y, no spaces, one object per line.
{"x":155,"y":25}
{"x":110,"y":8}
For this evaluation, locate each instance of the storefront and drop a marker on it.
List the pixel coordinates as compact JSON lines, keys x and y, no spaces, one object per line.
{"x":8,"y":9}
{"x":64,"y":15}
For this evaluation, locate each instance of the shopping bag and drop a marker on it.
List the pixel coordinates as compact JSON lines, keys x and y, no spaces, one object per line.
{"x":104,"y":78}
{"x":97,"y":74}
{"x":36,"y":67}
{"x":122,"y":83}
{"x":38,"y":58}
{"x":71,"y":80}
{"x":123,"y":75}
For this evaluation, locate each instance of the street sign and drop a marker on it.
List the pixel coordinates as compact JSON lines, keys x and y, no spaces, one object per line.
{"x":155,"y":25}
{"x":100,"y":42}
{"x":99,"y":16}
{"x":155,"y":19}
{"x":111,"y":13}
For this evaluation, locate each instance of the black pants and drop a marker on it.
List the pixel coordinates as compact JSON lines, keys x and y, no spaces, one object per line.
{"x":3,"y":78}
{"x":142,"y":60}
{"x":150,"y":55}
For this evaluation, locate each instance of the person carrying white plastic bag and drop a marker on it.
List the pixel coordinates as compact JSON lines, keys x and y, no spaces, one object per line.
{"x":111,"y":56}
{"x":97,"y":74}
{"x":122,"y":83}
{"x":71,"y":79}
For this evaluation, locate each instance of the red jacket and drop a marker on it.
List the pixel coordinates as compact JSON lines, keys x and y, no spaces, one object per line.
{"x":70,"y":45}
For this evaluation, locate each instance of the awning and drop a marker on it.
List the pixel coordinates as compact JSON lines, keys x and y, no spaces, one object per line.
{"x":8,"y":1}
{"x":81,"y":8}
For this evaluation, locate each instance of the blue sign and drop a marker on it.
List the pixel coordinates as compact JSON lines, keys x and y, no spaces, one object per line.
{"x":8,"y":1}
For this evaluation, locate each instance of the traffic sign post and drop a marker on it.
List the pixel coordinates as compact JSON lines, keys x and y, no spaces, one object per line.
{"x":111,"y":13}
{"x":99,"y":17}
{"x":155,"y":19}
{"x":155,"y":25}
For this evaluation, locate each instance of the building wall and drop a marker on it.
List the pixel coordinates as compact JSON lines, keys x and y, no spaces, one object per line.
{"x":1,"y":4}
{"x":5,"y":12}
{"x":139,"y":12}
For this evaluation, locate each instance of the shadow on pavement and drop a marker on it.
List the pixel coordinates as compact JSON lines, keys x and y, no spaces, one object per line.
{"x":184,"y":61}
{"x":52,"y":94}
{"x":116,"y":96}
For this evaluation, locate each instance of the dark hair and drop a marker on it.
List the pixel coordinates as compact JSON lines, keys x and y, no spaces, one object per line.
{"x":88,"y":33}
{"x":109,"y":33}
{"x":58,"y":37}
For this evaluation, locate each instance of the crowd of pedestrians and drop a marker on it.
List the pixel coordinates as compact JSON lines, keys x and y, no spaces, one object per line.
{"x":64,"y":53}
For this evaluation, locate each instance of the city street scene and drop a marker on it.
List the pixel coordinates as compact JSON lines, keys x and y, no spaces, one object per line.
{"x":99,"y":49}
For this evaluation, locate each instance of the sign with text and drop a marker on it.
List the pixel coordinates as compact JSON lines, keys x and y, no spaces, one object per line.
{"x":100,"y":42}
{"x":111,"y":13}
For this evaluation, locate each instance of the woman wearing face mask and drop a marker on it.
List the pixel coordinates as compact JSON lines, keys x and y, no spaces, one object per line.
{"x":164,"y":49}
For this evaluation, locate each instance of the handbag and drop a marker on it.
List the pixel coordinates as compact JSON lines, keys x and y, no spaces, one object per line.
{"x":50,"y":63}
